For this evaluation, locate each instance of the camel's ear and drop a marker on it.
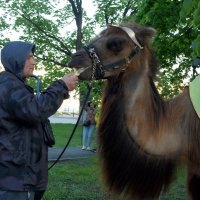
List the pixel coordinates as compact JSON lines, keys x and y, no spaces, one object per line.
{"x":148,"y":32}
{"x":151,"y":31}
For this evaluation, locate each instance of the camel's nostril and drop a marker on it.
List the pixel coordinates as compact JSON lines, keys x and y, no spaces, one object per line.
{"x":76,"y":55}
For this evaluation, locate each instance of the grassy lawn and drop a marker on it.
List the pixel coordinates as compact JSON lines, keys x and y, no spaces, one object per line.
{"x":75,"y":180}
{"x":177,"y":191}
{"x":80,"y":179}
{"x":62,"y":133}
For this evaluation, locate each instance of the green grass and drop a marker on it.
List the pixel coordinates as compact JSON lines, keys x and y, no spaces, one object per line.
{"x":177,"y":190}
{"x":75,"y":180}
{"x":79,"y":179}
{"x":62,"y":133}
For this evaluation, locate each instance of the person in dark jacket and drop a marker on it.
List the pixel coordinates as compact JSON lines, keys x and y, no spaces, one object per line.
{"x":23,"y":152}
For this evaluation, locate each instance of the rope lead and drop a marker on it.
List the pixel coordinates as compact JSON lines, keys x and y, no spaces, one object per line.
{"x":74,"y":129}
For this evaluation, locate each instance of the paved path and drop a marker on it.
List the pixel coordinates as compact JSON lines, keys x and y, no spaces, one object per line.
{"x":70,"y":153}
{"x":63,"y":119}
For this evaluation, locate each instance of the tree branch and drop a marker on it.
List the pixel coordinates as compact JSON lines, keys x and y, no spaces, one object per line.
{"x":127,"y":8}
{"x":78,"y":12}
{"x":67,"y":51}
{"x":51,"y":60}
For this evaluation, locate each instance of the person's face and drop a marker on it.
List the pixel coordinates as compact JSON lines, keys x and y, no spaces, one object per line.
{"x":29,"y":66}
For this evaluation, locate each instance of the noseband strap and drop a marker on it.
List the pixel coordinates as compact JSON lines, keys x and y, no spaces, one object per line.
{"x":98,"y":71}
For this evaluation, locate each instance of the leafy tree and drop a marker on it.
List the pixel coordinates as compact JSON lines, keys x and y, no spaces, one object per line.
{"x":174,"y":38}
{"x":110,"y":11}
{"x":59,"y":30}
{"x":56,"y":30}
{"x":172,"y":42}
{"x":189,"y":14}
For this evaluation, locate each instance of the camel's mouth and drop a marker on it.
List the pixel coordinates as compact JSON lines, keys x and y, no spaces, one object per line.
{"x":83,"y":73}
{"x":80,"y":70}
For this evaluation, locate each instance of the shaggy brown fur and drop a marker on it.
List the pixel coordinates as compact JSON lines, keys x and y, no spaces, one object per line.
{"x":142,"y":138}
{"x":127,"y":169}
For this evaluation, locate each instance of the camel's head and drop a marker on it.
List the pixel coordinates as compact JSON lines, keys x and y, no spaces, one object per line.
{"x":111,"y":51}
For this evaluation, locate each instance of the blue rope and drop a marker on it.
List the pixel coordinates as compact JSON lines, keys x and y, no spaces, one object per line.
{"x":37,"y":85}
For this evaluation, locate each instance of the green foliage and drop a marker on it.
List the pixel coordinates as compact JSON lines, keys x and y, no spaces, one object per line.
{"x":172,"y":42}
{"x":115,"y":11}
{"x":189,"y":15}
{"x":32,"y":17}
{"x":58,"y":30}
{"x":95,"y":94}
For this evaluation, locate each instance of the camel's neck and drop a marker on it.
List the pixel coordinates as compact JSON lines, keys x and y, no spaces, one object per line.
{"x":148,"y":117}
{"x":142,"y":101}
{"x":137,"y":105}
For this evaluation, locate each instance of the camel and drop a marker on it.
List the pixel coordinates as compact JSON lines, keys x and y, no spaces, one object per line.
{"x":143,"y":139}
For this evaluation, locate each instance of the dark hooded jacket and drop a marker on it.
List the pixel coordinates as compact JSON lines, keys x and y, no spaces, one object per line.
{"x":23,"y":153}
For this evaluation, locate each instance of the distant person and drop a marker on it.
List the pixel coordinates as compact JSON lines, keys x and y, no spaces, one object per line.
{"x":88,"y":125}
{"x":97,"y":116}
{"x":23,"y":151}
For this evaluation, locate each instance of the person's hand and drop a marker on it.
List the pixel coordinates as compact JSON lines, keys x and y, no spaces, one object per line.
{"x":71,"y":81}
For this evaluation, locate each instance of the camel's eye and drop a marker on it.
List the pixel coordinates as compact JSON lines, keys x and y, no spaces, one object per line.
{"x":115,"y":45}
